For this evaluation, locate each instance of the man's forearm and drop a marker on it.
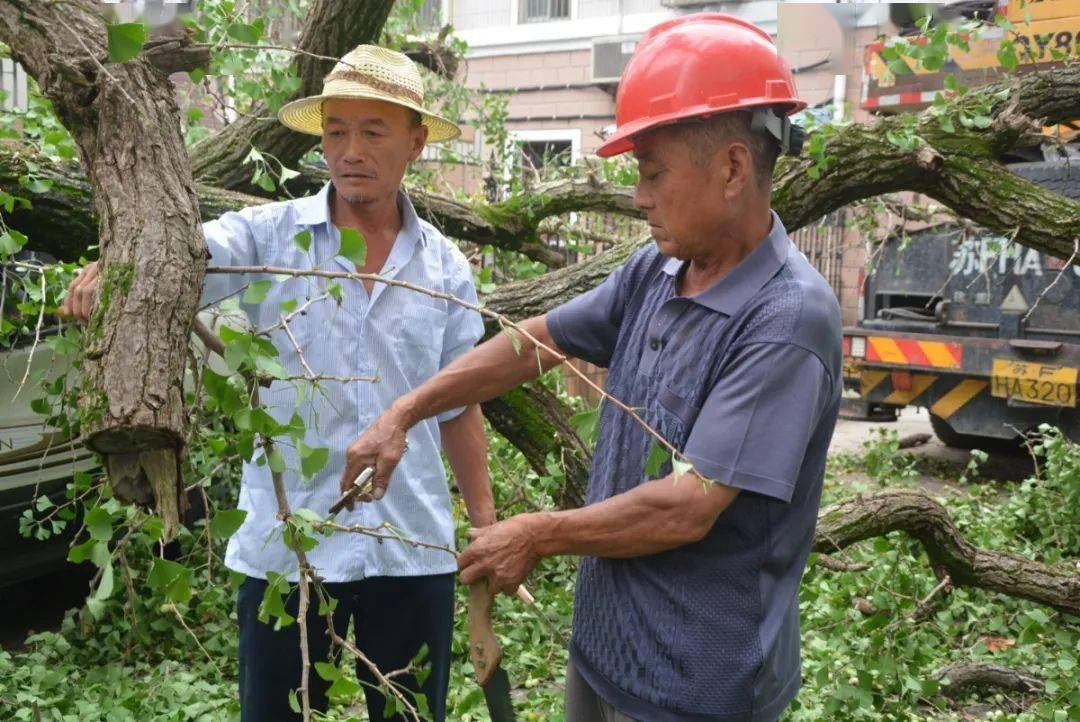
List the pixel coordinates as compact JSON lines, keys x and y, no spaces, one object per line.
{"x":465,"y":445}
{"x":653,"y":517}
{"x":490,"y":369}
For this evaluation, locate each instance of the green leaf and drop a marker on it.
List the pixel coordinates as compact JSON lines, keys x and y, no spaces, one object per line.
{"x":81,"y":552}
{"x":312,"y":460}
{"x":11,"y":241}
{"x":105,"y":586}
{"x":256,"y":291}
{"x":587,"y":424}
{"x":327,"y":671}
{"x":657,"y":456}
{"x":335,"y":291}
{"x":248,"y":33}
{"x":303,"y":240}
{"x":1006,"y":55}
{"x":343,"y":688}
{"x":681,"y":467}
{"x":353,"y":246}
{"x":226,"y":522}
{"x":125,"y":41}
{"x":99,"y":524}
{"x":171,"y":579}
{"x":36,"y":185}
{"x":277,"y":462}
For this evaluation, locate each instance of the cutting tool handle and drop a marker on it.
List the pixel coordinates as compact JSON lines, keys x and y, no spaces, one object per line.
{"x":484,"y":648}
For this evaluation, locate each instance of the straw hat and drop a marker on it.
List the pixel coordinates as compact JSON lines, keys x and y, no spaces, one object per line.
{"x":375,"y":73}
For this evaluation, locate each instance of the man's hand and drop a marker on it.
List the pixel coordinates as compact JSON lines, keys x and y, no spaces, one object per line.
{"x":504,"y":553}
{"x":81,"y":294}
{"x":380,"y":447}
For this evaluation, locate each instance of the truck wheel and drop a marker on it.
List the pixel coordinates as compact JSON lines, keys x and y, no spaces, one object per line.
{"x":945,"y":433}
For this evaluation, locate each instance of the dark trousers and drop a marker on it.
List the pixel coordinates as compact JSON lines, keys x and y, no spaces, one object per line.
{"x":393,"y":618}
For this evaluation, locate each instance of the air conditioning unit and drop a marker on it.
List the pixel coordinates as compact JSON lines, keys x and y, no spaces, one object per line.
{"x":610,"y":56}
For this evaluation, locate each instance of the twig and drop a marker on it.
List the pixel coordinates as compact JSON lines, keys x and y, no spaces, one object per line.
{"x":378,"y":532}
{"x":37,"y":338}
{"x":194,"y":636}
{"x":925,"y":605}
{"x":97,"y":62}
{"x":839,"y":565}
{"x":299,"y":351}
{"x":1068,"y":263}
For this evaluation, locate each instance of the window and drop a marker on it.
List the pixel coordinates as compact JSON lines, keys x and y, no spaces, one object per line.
{"x":538,"y":11}
{"x":539,"y":149}
{"x":12,"y":85}
{"x":546,"y":153}
{"x":430,"y":15}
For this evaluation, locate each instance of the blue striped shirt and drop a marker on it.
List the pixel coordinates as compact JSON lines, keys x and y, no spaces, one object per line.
{"x":396,"y":336}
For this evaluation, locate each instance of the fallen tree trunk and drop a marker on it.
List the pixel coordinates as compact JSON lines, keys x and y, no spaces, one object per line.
{"x":536,"y":422}
{"x":918,"y":515}
{"x":125,"y":123}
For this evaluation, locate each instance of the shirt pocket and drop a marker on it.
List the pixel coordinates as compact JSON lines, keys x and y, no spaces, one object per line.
{"x":418,"y":337}
{"x":682,"y":409}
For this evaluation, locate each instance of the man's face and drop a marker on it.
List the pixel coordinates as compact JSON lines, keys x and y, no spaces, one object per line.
{"x":686,"y":202}
{"x":367,"y":145}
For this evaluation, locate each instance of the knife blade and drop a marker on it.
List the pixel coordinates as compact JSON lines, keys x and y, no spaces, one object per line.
{"x":361,"y":485}
{"x":486,"y":654}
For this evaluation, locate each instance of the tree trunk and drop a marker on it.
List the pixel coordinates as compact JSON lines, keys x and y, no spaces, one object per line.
{"x":125,"y":123}
{"x":535,"y":421}
{"x":331,"y":28}
{"x":919,"y":516}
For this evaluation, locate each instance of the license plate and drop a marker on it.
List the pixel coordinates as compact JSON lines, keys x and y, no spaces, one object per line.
{"x":1034,"y":383}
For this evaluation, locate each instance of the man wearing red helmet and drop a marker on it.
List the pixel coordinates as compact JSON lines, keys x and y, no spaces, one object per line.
{"x":727,"y":343}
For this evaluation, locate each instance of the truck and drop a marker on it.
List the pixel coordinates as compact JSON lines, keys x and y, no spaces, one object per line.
{"x":980,"y":330}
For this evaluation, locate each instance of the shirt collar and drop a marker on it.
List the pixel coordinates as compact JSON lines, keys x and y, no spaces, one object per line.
{"x":731,"y":292}
{"x":314,"y":210}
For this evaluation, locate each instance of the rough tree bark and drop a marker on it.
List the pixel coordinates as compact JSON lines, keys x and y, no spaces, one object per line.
{"x":331,"y":28}
{"x":919,"y":516}
{"x":125,"y":122}
{"x":964,"y":677}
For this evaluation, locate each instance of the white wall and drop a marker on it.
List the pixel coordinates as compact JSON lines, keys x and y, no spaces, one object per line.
{"x":490,"y":27}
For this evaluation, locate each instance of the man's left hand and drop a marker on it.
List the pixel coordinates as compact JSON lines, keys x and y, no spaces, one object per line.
{"x":504,"y":553}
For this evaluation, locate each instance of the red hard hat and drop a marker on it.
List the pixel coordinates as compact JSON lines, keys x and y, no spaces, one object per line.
{"x":698,"y":65}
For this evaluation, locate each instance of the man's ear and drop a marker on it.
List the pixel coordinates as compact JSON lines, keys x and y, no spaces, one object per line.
{"x":737,"y":165}
{"x":419,"y":139}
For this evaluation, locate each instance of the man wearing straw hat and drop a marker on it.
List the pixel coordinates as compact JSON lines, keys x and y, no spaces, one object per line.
{"x":373,"y":123}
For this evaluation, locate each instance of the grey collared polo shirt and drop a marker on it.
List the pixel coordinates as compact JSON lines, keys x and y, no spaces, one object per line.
{"x":744,"y":379}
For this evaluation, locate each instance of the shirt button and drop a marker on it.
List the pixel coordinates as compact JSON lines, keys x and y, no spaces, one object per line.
{"x":654,"y":344}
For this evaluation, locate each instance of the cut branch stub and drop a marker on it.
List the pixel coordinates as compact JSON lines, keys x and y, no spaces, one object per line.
{"x":125,"y":124}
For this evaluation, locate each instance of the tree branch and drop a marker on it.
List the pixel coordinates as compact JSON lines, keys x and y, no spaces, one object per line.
{"x":967,"y":676}
{"x":919,"y":516}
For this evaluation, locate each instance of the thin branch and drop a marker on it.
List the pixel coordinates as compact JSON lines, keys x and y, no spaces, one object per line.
{"x":299,"y":351}
{"x":502,"y":320}
{"x":1068,"y":263}
{"x":97,"y":62}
